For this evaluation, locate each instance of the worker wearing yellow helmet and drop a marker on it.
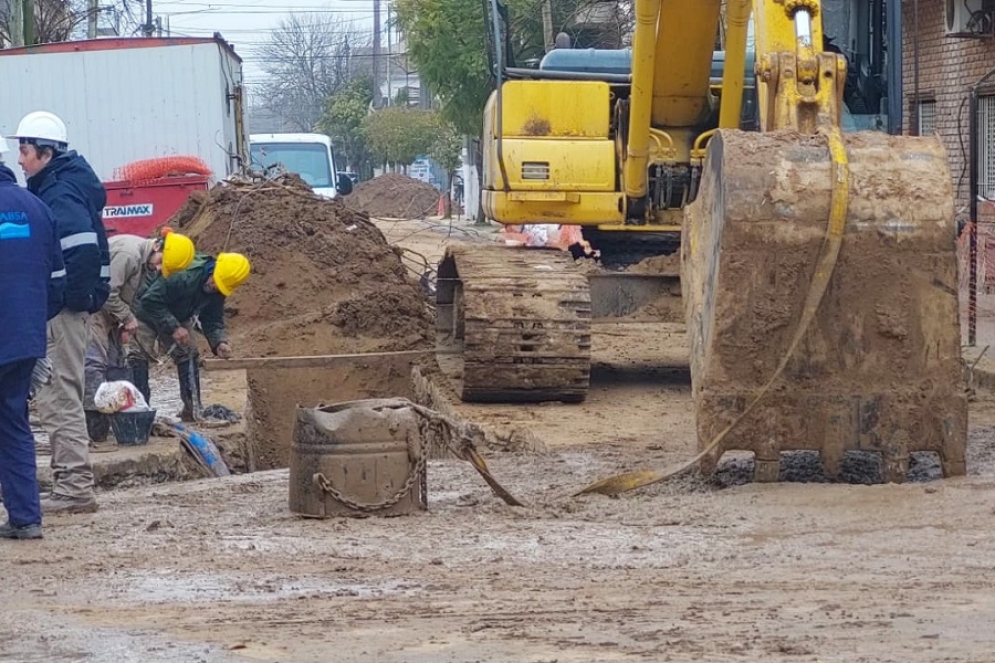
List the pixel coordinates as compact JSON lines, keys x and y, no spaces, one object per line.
{"x":168,"y":310}
{"x":135,"y":262}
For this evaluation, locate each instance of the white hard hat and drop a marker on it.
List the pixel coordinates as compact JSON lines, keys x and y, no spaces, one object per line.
{"x":43,"y":128}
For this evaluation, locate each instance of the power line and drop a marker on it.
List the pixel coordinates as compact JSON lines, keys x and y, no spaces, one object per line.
{"x":222,"y":12}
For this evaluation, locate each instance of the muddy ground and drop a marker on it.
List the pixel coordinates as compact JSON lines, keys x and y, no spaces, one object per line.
{"x":220,"y":570}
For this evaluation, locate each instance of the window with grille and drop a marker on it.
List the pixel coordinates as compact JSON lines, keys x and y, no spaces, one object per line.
{"x":986,"y":146}
{"x":927,"y":117}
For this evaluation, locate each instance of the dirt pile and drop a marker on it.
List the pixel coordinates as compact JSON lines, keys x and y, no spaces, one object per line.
{"x":395,"y":196}
{"x":324,"y":279}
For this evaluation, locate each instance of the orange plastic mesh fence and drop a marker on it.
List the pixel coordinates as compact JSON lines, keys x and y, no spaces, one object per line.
{"x":154,"y":169}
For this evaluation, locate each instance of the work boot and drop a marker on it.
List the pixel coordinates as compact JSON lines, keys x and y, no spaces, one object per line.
{"x":56,"y":504}
{"x":189,"y":372}
{"x":8,"y":531}
{"x":98,"y":425}
{"x":140,"y":378}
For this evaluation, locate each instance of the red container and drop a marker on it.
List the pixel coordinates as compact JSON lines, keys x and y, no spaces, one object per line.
{"x":139,"y":208}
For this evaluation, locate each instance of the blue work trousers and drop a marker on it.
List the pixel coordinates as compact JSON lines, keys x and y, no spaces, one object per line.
{"x":18,"y":470}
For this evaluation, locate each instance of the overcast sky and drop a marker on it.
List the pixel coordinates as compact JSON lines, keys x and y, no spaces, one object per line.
{"x":247,"y":23}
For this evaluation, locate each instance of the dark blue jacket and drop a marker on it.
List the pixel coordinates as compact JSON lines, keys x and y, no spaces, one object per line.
{"x":77,"y":197}
{"x":32,"y":276}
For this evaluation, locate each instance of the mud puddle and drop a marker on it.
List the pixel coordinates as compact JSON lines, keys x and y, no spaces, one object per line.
{"x":35,"y":636}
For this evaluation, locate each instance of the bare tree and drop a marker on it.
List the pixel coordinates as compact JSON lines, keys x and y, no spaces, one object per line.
{"x":308,"y":59}
{"x":66,"y":20}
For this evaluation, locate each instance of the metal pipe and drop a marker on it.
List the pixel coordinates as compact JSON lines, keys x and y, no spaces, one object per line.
{"x":28,"y":14}
{"x":895,"y":83}
{"x":635,"y":173}
{"x":803,"y":27}
{"x":737,"y":27}
{"x":499,"y":74}
{"x":972,"y":185}
{"x":914,"y":121}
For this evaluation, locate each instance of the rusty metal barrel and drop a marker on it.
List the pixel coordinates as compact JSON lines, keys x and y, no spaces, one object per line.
{"x":357,"y":458}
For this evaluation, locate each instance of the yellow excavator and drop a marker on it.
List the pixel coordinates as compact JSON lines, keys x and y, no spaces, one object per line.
{"x":817,"y":268}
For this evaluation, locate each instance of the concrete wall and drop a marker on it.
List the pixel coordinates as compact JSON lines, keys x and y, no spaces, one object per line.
{"x":947,"y":67}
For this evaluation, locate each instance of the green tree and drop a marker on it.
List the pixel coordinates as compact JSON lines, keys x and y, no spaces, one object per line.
{"x":446,"y":151}
{"x":397,"y":135}
{"x":343,"y":122}
{"x":445,"y":41}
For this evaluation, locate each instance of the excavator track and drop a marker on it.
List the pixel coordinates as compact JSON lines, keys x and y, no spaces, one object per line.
{"x":520,"y":321}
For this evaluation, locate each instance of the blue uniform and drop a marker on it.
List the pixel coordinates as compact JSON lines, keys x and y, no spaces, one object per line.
{"x":32,"y":285}
{"x":76,"y":196}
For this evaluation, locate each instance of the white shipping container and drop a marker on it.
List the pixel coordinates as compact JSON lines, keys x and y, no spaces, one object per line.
{"x":124,"y":100}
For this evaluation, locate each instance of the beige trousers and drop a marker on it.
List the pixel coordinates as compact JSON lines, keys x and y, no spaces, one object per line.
{"x":60,"y":406}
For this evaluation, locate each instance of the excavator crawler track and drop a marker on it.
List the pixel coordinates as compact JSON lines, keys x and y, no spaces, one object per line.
{"x":520,"y":321}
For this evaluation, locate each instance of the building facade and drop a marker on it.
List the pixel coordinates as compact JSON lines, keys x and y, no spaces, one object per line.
{"x":948,"y":46}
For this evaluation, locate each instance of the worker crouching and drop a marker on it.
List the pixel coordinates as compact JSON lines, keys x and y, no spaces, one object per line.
{"x":135,"y":263}
{"x":170,"y":309}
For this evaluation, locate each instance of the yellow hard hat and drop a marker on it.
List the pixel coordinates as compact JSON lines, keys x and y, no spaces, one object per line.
{"x":230,"y":269}
{"x":177,"y":253}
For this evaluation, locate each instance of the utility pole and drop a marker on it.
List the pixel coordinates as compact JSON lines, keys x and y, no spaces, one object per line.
{"x":376,"y":54}
{"x":91,"y":19}
{"x":149,"y":26}
{"x":16,"y":23}
{"x":390,"y":50}
{"x":29,"y":22}
{"x":547,"y":25}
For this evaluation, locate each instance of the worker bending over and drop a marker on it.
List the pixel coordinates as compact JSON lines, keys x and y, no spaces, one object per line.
{"x":135,"y":262}
{"x":171,"y":308}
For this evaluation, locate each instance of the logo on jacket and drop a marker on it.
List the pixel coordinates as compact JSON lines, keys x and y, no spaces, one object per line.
{"x":124,"y":211}
{"x":14,"y":230}
{"x":13,"y":217}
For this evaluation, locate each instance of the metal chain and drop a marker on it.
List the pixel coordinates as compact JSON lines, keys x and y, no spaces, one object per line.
{"x":415,"y":470}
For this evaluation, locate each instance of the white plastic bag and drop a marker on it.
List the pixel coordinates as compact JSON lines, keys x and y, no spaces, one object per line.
{"x":119,"y":396}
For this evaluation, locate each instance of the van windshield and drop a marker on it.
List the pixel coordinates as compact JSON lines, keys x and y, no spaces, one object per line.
{"x":309,"y":160}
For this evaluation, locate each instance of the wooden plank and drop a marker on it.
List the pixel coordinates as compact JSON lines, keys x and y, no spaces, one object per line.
{"x":244,"y":363}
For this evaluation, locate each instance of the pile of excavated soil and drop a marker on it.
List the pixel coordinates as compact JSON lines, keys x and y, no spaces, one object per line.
{"x":395,"y":196}
{"x":324,"y":279}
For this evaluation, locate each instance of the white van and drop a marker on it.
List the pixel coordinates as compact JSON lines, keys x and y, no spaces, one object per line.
{"x":308,"y":155}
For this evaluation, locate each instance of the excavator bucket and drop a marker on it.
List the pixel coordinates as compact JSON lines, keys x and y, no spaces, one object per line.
{"x":878,"y":368}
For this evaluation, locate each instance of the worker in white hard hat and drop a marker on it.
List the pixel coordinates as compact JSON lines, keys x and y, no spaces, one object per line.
{"x":67,"y":184}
